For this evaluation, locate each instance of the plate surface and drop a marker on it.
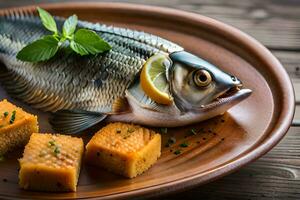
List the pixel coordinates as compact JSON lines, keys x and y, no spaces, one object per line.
{"x":223,"y":145}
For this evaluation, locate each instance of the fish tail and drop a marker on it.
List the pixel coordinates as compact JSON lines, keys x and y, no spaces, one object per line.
{"x":74,"y":121}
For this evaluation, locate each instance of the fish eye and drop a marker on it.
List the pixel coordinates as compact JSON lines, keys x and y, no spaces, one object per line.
{"x":202,"y":78}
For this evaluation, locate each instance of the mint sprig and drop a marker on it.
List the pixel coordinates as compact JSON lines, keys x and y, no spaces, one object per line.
{"x":88,"y":42}
{"x":47,"y":20}
{"x":70,"y":26}
{"x":83,"y":41}
{"x":40,"y":50}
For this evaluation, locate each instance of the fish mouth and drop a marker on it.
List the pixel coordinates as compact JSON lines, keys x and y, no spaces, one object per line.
{"x":231,"y":91}
{"x":230,"y":98}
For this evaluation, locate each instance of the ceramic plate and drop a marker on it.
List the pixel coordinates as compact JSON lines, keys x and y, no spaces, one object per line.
{"x":244,"y":133}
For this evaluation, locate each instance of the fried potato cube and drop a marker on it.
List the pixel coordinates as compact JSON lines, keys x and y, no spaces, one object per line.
{"x":16,"y":126}
{"x":125,"y":149}
{"x":51,"y":162}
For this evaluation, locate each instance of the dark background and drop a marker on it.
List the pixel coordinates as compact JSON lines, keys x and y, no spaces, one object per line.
{"x":276,"y":24}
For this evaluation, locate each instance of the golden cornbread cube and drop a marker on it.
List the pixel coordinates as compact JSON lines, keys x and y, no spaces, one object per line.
{"x":125,"y":149}
{"x":51,"y":162}
{"x":16,"y":126}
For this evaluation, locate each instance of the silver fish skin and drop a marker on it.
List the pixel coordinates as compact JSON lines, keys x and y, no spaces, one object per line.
{"x":69,"y":81}
{"x":83,"y":91}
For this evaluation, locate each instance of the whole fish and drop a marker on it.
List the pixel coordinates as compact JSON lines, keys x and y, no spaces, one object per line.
{"x":82,"y":91}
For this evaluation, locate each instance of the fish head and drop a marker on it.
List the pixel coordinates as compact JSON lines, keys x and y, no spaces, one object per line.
{"x":196,"y":84}
{"x":199,"y":91}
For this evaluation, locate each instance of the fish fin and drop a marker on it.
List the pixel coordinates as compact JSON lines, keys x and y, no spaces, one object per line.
{"x":74,"y":121}
{"x":120,"y":105}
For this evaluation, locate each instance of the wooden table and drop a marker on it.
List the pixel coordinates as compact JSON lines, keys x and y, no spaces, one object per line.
{"x":276,"y":24}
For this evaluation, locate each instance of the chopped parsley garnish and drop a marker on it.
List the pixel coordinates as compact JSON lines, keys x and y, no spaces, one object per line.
{"x":193,"y":131}
{"x":5,"y":114}
{"x":184,"y":144}
{"x":130,"y":130}
{"x":51,"y":143}
{"x":56,"y":150}
{"x":1,"y":158}
{"x":13,"y":117}
{"x":177,"y":152}
{"x":164,"y":130}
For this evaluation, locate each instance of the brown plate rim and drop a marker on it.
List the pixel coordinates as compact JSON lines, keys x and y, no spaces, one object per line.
{"x":277,"y":132}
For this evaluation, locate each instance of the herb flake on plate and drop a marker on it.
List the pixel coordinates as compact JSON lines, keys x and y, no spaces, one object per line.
{"x":5,"y":114}
{"x":13,"y":117}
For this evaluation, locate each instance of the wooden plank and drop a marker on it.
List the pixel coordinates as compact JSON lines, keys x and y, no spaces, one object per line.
{"x":291,"y":61}
{"x":262,"y":20}
{"x":296,"y":84}
{"x":297,"y":113}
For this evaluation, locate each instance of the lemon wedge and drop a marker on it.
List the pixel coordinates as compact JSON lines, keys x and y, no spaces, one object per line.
{"x":154,"y":81}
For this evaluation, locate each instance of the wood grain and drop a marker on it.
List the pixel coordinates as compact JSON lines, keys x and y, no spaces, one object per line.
{"x":277,"y":25}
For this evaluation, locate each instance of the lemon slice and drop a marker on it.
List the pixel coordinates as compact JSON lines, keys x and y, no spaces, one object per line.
{"x":154,"y":81}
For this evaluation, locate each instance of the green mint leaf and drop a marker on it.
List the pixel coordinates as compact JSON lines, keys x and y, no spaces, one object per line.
{"x":70,"y":26}
{"x":88,"y":42}
{"x":78,"y":48}
{"x":47,"y":20}
{"x":40,"y":50}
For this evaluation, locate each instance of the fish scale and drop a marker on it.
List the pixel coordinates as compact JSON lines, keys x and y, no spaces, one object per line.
{"x":70,"y":81}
